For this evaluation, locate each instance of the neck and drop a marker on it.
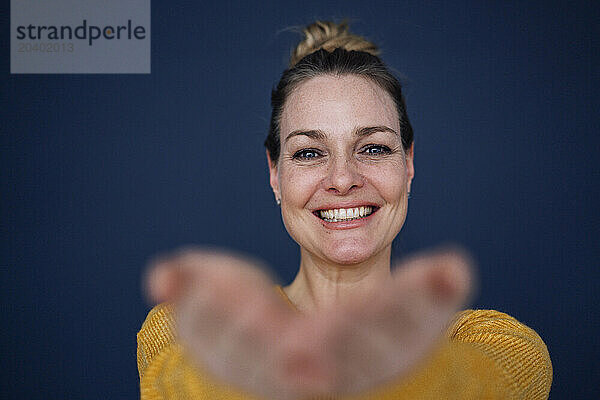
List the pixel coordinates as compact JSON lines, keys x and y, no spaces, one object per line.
{"x":320,"y":284}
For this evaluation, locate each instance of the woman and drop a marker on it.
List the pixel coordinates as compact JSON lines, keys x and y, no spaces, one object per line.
{"x":340,"y":155}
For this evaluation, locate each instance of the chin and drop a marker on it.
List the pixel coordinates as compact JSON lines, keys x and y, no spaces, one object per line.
{"x":348,"y":254}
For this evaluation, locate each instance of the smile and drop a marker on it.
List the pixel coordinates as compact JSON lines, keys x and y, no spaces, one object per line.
{"x":345,"y":214}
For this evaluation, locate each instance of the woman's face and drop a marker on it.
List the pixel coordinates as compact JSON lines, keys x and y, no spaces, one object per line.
{"x":343,"y":176}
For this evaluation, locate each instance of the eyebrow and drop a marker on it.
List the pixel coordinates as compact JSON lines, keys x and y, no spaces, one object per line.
{"x":369,"y":130}
{"x":360,"y":132}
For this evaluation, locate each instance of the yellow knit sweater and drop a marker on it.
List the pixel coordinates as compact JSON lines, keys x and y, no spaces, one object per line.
{"x":487,"y":355}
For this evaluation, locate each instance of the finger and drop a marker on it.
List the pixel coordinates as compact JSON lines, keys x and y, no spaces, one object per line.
{"x":162,"y":281}
{"x":191,"y":268}
{"x":167,"y":275}
{"x":446,"y":274}
{"x":213,"y":285}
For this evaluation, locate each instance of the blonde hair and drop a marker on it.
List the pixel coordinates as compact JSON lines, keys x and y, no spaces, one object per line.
{"x":329,"y":36}
{"x":329,"y":48}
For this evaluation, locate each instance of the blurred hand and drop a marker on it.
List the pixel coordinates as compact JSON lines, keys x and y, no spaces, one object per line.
{"x":234,"y":325}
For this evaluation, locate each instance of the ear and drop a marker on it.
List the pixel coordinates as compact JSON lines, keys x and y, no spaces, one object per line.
{"x":410,"y":165}
{"x":273,"y":177}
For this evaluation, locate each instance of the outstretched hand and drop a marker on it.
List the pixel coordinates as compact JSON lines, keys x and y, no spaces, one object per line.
{"x":234,"y":325}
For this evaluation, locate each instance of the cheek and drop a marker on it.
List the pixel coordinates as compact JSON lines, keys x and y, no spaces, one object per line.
{"x":391,"y":182}
{"x":296,"y":186}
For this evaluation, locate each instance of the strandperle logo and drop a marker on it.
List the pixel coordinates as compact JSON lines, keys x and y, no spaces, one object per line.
{"x":90,"y":33}
{"x":80,"y":37}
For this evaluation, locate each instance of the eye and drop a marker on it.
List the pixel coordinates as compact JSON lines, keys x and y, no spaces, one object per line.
{"x":376,"y":149}
{"x":306,"y":154}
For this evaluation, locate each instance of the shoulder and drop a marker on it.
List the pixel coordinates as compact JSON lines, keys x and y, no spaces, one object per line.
{"x":517,"y":349}
{"x":157,"y":332}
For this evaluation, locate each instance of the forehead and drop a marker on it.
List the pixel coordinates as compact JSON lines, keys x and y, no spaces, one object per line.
{"x":338,"y":104}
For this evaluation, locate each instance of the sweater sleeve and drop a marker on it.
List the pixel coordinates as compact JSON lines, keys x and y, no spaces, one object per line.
{"x":156,"y":334}
{"x":516,"y":349}
{"x":488,"y":355}
{"x":165,"y":372}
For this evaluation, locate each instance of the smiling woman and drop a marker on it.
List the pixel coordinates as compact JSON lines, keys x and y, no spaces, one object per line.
{"x":340,"y":155}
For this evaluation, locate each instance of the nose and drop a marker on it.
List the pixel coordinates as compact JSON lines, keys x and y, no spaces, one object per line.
{"x":343,"y":176}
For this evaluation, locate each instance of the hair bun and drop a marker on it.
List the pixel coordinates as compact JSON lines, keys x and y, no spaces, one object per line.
{"x":328,"y":35}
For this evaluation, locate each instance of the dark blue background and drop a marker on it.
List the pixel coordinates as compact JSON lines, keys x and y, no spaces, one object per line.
{"x":99,"y":172}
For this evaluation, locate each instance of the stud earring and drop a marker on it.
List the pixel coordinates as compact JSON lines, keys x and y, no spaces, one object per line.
{"x":278,"y":201}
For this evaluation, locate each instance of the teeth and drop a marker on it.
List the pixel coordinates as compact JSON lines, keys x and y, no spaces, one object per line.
{"x":345,"y":214}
